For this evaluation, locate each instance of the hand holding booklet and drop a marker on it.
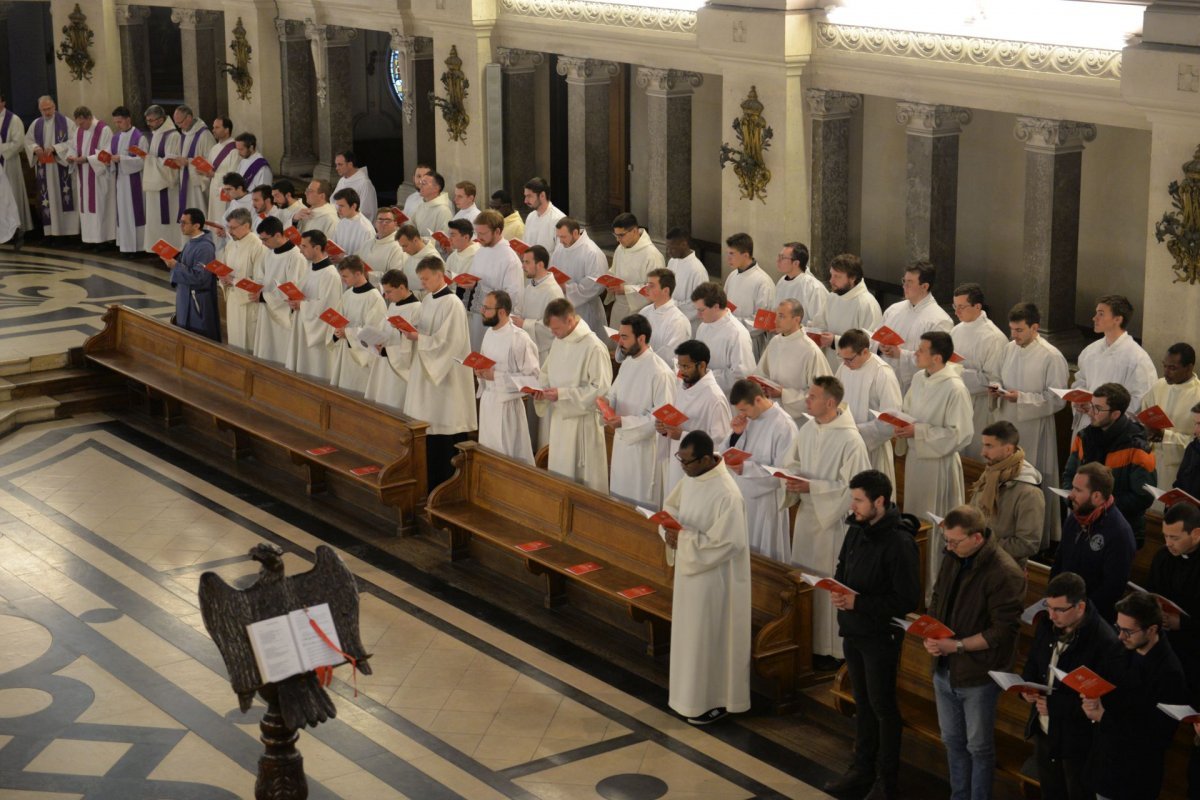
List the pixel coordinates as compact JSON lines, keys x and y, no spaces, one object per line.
{"x":660,"y":518}
{"x":290,"y":645}
{"x":1169,"y":497}
{"x":1185,"y":714}
{"x":828,"y":584}
{"x":924,"y":627}
{"x":1073,"y":395}
{"x":1012,"y":682}
{"x":1083,"y":680}
{"x":897,"y":419}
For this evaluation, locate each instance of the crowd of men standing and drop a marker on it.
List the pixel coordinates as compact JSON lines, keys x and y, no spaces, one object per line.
{"x":732,"y":403}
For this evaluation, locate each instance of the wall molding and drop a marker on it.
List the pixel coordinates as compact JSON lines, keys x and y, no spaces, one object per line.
{"x":658,"y":19}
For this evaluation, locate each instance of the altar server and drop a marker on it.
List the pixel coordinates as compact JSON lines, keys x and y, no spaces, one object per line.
{"x":461,"y":253}
{"x":310,"y":348}
{"x":689,"y":272}
{"x":700,"y":399}
{"x":727,"y":339}
{"x":671,"y":328}
{"x":848,"y":306}
{"x":633,"y":259}
{"x":353,"y":228}
{"x":917,"y":313}
{"x":541,"y":290}
{"x":435,"y":209}
{"x":464,"y":202}
{"x":503,"y":425}
{"x":387,"y":383}
{"x":748,"y":287}
{"x":1176,"y":393}
{"x":870,"y":384}
{"x":321,"y":215}
{"x":353,"y":176}
{"x":283,"y":263}
{"x":981,"y":345}
{"x":382,"y":252}
{"x":1115,"y":358}
{"x":543,"y":216}
{"x":245,"y":254}
{"x":792,"y":360}
{"x":574,"y":253}
{"x":363,"y":307}
{"x":47,"y":145}
{"x":283,"y":194}
{"x":496,"y":265}
{"x":798,"y":282}
{"x":416,"y":249}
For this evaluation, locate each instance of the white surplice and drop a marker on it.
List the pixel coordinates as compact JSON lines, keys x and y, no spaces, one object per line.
{"x":287,"y":214}
{"x":499,"y":269}
{"x":193,"y":188}
{"x":12,"y":142}
{"x":730,"y":351}
{"x":707,"y":409}
{"x":751,"y":289}
{"x":643,"y":384}
{"x":275,"y":318}
{"x":380,"y":253}
{"x":432,"y":215}
{"x":1123,"y":362}
{"x":689,"y":273}
{"x":1032,"y":371}
{"x":910,"y":321}
{"x":769,"y":440}
{"x":412,"y":262}
{"x":469,"y":213}
{"x":1176,"y":400}
{"x":981,"y":344}
{"x":95,"y":189}
{"x":631,"y":264}
{"x":857,"y":308}
{"x":539,"y":228}
{"x":873,"y":386}
{"x":794,"y":362}
{"x":224,"y":158}
{"x":387,"y":383}
{"x":363,"y":306}
{"x":246,"y":257}
{"x":710,"y":606}
{"x":310,"y":349}
{"x":806,"y":289}
{"x":580,"y":367}
{"x":10,"y":220}
{"x":161,"y":185}
{"x":933,"y":476}
{"x":583,"y":259}
{"x":360,"y":181}
{"x":503,"y":425}
{"x":669,"y":328}
{"x":352,"y":233}
{"x":441,"y":391}
{"x":532,"y":309}
{"x":57,"y":220}
{"x":514,"y":228}
{"x":130,"y":199}
{"x":829,"y":455}
{"x":324,"y":219}
{"x":458,"y":262}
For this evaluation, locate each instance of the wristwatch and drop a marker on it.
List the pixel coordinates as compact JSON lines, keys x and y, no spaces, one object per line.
{"x":960,"y":647}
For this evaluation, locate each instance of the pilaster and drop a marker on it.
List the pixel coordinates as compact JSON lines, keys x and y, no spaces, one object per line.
{"x":201,"y":36}
{"x":298,"y":88}
{"x":829,"y":114}
{"x":669,"y":167}
{"x":135,"y":58}
{"x":331,"y":69}
{"x":588,"y":82}
{"x":519,"y":68}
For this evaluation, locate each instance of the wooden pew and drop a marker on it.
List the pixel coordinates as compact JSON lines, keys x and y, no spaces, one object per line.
{"x":256,"y":409}
{"x":494,"y":504}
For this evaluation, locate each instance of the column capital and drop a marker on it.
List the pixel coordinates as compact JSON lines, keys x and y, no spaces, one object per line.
{"x":514,"y":60}
{"x":194,"y":18}
{"x":289,"y":29}
{"x":131,"y":15}
{"x":586,"y":70}
{"x":668,"y":82}
{"x":328,"y":35}
{"x":829,"y":104}
{"x":1053,"y":135}
{"x":931,"y":119}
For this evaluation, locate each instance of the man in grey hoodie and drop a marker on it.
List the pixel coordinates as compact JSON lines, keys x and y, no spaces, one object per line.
{"x":1009,"y":493}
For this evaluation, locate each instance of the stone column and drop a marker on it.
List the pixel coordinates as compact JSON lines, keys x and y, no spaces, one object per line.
{"x":829,"y":112}
{"x":135,"y":58}
{"x":1053,"y":165}
{"x":331,"y":67}
{"x":932,"y":197}
{"x":520,"y":118}
{"x":415,"y":129}
{"x":198,"y":34}
{"x":587,"y":138}
{"x":669,"y":167}
{"x":299,"y":108}
{"x":6,"y":71}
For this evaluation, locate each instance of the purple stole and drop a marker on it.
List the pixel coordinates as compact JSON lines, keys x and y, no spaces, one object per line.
{"x":255,"y":166}
{"x":64,"y":176}
{"x":87,"y":189}
{"x":8,"y":118}
{"x":225,"y":151}
{"x":187,"y":168}
{"x":164,"y":198}
{"x":135,"y":180}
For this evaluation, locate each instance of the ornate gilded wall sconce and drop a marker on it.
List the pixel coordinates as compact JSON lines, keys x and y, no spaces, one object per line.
{"x":73,"y":50}
{"x":1180,"y":228}
{"x":239,"y":70}
{"x":453,"y":106}
{"x":749,"y":163}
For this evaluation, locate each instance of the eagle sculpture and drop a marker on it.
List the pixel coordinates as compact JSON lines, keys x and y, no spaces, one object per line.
{"x":228,"y":609}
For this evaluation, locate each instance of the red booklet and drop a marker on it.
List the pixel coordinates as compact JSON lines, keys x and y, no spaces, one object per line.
{"x":478,"y":361}
{"x":606,"y":409}
{"x":764,"y":320}
{"x":529,"y":547}
{"x":104,"y":157}
{"x":645,"y":291}
{"x":1169,"y":606}
{"x":1073,"y":395}
{"x":333,"y":319}
{"x":323,"y":450}
{"x":670,"y":416}
{"x":400,"y":216}
{"x":664,"y":519}
{"x":137,"y":151}
{"x":518,"y":246}
{"x":815,"y":336}
{"x":248,"y":285}
{"x":886,"y":335}
{"x":201,"y":163}
{"x":561,"y":277}
{"x":218,"y":268}
{"x":293,"y":235}
{"x":442,"y":239}
{"x":766,"y":383}
{"x":165,"y":249}
{"x":173,"y":163}
{"x":332,"y":248}
{"x":369,"y":469}
{"x":401,"y":324}
{"x":926,"y":627}
{"x":897,"y":419}
{"x":226,"y":197}
{"x":465,"y":279}
{"x":828,"y":584}
{"x":1155,"y":417}
{"x":291,"y":291}
{"x":584,"y":568}
{"x":636,"y":591}
{"x":1086,"y":682}
{"x":730,"y":306}
{"x":955,"y":358}
{"x":47,"y":157}
{"x":733,"y":456}
{"x":610,"y":281}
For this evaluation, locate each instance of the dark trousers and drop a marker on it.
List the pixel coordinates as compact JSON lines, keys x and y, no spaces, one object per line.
{"x":872,"y":663}
{"x":439,"y":449}
{"x":1061,"y":778}
{"x":1194,"y":773}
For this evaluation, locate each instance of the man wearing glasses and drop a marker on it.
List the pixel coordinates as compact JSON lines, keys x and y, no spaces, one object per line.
{"x":245,"y":255}
{"x":916,"y":314}
{"x":1118,"y":441}
{"x":1071,"y":634}
{"x":382,"y":252}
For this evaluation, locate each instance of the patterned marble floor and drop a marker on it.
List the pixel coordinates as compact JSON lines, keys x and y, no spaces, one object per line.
{"x":110,"y":688}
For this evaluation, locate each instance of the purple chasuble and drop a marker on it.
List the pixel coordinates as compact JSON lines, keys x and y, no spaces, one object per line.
{"x":64,"y":176}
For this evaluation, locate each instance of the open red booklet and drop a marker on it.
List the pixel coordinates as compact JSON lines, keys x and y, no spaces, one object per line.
{"x":660,"y":518}
{"x":333,"y":319}
{"x":293,"y":235}
{"x":561,"y":277}
{"x":218,"y":268}
{"x":332,"y":248}
{"x":465,"y":279}
{"x":670,"y":416}
{"x":828,"y":584}
{"x":518,"y":246}
{"x":478,"y":361}
{"x":164,"y":249}
{"x":1155,"y":417}
{"x":201,"y":163}
{"x":1073,"y":395}
{"x":925,"y":627}
{"x":764,"y":320}
{"x":606,"y":409}
{"x":733,"y":456}
{"x":1086,"y":682}
{"x":291,"y":291}
{"x":247,"y":285}
{"x":885,"y":335}
{"x":401,"y":324}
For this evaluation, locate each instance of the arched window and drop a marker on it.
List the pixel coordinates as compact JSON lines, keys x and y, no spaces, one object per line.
{"x":394,"y":76}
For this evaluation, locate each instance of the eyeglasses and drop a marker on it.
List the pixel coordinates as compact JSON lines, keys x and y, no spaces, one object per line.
{"x":1099,"y":409}
{"x":487,"y":308}
{"x":1063,"y":610}
{"x":1127,"y":633}
{"x":686,"y":461}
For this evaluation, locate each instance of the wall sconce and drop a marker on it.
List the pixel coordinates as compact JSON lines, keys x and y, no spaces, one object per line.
{"x":453,"y":106}
{"x":749,"y":163}
{"x":239,"y":70}
{"x":1180,"y":228}
{"x":73,"y":50}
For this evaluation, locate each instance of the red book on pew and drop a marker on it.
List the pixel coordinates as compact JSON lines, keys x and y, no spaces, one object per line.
{"x":333,"y":319}
{"x":442,"y":239}
{"x":291,"y":291}
{"x":584,"y":568}
{"x":559,"y":276}
{"x":332,"y":248}
{"x":164,"y":249}
{"x":104,"y":157}
{"x":1155,"y":417}
{"x":369,"y":469}
{"x":137,"y":151}
{"x":518,"y":246}
{"x":609,"y":281}
{"x":201,"y":163}
{"x":218,"y":268}
{"x":293,"y":235}
{"x":247,"y":285}
{"x":924,"y":627}
{"x":764,"y":320}
{"x":886,"y":335}
{"x":323,"y":450}
{"x":670,"y":416}
{"x":530,"y":547}
{"x":635,"y":592}
{"x":478,"y":361}
{"x":660,"y":518}
{"x":1083,"y":680}
{"x":465,"y":279}
{"x":733,"y":457}
{"x":401,"y":324}
{"x":606,"y":409}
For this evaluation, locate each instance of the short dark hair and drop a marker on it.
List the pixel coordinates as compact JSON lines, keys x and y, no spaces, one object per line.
{"x":394,"y":278}
{"x":194,"y":215}
{"x":538,"y":186}
{"x":694,"y":349}
{"x":1143,"y":607}
{"x":856,"y":339}
{"x":666,"y":278}
{"x":502,"y":196}
{"x":1117,"y":396}
{"x":431,"y":264}
{"x":639,"y":325}
{"x":1003,"y":430}
{"x":408,"y":231}
{"x":264,"y":191}
{"x":233,"y":180}
{"x":1120,"y":306}
{"x":1069,"y":585}
{"x":699,"y":442}
{"x":225,"y":121}
{"x":874,"y":484}
{"x":559,"y":308}
{"x":352,"y":263}
{"x":348,"y":157}
{"x":1186,"y":353}
{"x":1099,"y":478}
{"x":848,"y":264}
{"x":926,"y":273}
{"x":271,"y":226}
{"x":711,"y":293}
{"x":1025,"y":312}
{"x":677,"y":233}
{"x":745,"y":391}
{"x":540,"y":255}
{"x":316,"y":238}
{"x":119,"y":111}
{"x":462,"y":226}
{"x":284,"y":186}
{"x":625,"y":221}
{"x":570,"y":223}
{"x":1186,"y":513}
{"x":831,"y":386}
{"x":248,"y":139}
{"x":503,"y":300}
{"x":969,"y":518}
{"x":742,"y":242}
{"x":940,"y":344}
{"x":799,"y":253}
{"x":439,"y":180}
{"x":973,"y":291}
{"x":349,"y":195}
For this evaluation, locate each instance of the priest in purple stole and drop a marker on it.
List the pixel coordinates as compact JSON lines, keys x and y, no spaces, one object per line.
{"x":48,"y":145}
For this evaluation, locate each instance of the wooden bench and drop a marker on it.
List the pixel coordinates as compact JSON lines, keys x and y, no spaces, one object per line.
{"x":256,"y":409}
{"x":499,"y":503}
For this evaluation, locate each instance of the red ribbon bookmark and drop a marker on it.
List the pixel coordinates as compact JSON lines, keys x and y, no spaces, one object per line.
{"x":325,"y":674}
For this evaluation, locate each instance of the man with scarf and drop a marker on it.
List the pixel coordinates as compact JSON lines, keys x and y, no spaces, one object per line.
{"x":48,"y":145}
{"x":1009,"y":493}
{"x":1097,"y":542}
{"x":1120,"y":443}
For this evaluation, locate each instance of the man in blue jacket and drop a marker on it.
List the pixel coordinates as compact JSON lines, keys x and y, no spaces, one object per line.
{"x":195,"y":287}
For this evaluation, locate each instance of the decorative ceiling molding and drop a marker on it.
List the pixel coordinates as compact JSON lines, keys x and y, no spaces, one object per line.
{"x":658,"y":19}
{"x":1029,"y":56}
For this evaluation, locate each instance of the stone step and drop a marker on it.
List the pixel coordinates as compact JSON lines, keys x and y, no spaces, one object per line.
{"x":22,"y":366}
{"x":23,"y":411}
{"x":95,"y":398}
{"x":54,"y":381}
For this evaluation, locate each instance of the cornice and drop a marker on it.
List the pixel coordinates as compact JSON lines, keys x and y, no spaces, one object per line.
{"x":660,"y":19}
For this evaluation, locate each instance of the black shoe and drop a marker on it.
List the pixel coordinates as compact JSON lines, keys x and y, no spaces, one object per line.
{"x":18,"y":240}
{"x":882,"y":790}
{"x":850,"y":782}
{"x":827,"y":663}
{"x":709,"y":717}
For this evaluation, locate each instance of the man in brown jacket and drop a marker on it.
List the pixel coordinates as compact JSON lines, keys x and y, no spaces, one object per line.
{"x":1009,"y":493}
{"x":978,"y":594}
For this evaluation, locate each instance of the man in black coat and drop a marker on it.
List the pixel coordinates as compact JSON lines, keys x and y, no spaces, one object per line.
{"x":879,"y":562}
{"x":1071,"y":635}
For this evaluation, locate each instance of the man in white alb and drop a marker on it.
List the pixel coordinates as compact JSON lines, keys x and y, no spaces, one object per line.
{"x":382,"y":252}
{"x":363,"y":307}
{"x":160,"y":179}
{"x":310,"y":350}
{"x":387,"y":383}
{"x":97,"y":195}
{"x":435,"y":209}
{"x":727,"y":339}
{"x":792,"y":361}
{"x":353,"y":176}
{"x":917,"y":313}
{"x":47,"y":146}
{"x":283,"y":263}
{"x":1176,"y":393}
{"x":574,"y":253}
{"x":700,"y":399}
{"x":543,"y":216}
{"x":540,"y":290}
{"x":254,"y":167}
{"x":10,"y":221}
{"x":197,"y":141}
{"x":1115,"y":358}
{"x":321,"y":215}
{"x":12,"y":142}
{"x":287,"y":205}
{"x":798,"y":283}
{"x":671,"y":328}
{"x":689,"y":272}
{"x":464,"y":202}
{"x":503,"y":424}
{"x":223,"y":156}
{"x":245,"y":254}
{"x":354,"y":229}
{"x":416,"y":250}
{"x":130,"y":199}
{"x":870,"y":385}
{"x":847,"y":306}
{"x":632,"y":261}
{"x":414,"y":198}
{"x":462,"y":250}
{"x":981,"y":345}
{"x":497,"y":267}
{"x":748,"y":287}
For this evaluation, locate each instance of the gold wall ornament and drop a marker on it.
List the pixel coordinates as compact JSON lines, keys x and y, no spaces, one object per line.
{"x":73,"y":50}
{"x":1180,"y":228}
{"x":453,"y":106}
{"x":239,"y":70}
{"x":749,"y":163}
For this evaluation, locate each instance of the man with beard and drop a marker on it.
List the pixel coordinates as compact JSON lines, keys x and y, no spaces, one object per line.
{"x":848,"y":306}
{"x":1009,"y":493}
{"x":700,"y":399}
{"x":543,"y":217}
{"x":503,"y":425}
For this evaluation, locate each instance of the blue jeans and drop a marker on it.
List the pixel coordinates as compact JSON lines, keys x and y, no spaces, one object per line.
{"x":967,"y":718}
